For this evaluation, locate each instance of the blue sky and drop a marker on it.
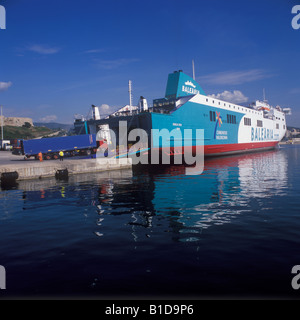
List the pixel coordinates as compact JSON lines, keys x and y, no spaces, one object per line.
{"x":57,"y":58}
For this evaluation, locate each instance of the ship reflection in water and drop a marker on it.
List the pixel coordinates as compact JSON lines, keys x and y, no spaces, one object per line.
{"x":156,"y":230}
{"x":180,"y":204}
{"x":227,"y":187}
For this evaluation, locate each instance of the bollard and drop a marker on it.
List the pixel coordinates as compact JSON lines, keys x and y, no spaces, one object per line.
{"x":62,"y":174}
{"x":8,"y":179}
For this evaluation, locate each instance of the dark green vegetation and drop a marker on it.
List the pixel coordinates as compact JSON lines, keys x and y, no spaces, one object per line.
{"x":25,"y":132}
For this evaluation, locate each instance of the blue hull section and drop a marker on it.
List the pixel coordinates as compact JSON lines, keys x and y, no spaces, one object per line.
{"x":214,"y":121}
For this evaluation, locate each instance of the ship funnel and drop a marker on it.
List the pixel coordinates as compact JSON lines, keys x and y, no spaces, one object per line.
{"x":143,"y":105}
{"x":96,"y":113}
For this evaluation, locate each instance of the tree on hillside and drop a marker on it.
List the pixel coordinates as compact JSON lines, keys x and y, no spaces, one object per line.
{"x":27,"y":125}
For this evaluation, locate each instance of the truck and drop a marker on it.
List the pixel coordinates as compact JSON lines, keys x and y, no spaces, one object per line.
{"x":5,"y":145}
{"x":85,"y":144}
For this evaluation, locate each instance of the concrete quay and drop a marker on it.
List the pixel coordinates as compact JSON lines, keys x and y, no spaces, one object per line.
{"x":34,"y":169}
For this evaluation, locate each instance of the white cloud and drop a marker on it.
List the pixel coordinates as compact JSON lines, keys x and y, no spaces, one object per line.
{"x":43,"y":49}
{"x":105,"y":110}
{"x":234,"y":77}
{"x":94,"y":51}
{"x":5,"y":85}
{"x":235,"y":97}
{"x":49,"y":118}
{"x":104,"y":107}
{"x":295,"y":91}
{"x":113,"y":64}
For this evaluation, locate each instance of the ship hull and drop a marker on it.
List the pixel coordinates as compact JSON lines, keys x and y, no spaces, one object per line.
{"x":188,"y":120}
{"x":218,"y":150}
{"x":228,"y":130}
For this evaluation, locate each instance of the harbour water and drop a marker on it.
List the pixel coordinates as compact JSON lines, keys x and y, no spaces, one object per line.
{"x":232,"y":231}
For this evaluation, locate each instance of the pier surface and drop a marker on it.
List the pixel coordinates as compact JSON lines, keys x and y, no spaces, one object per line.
{"x":33,"y":169}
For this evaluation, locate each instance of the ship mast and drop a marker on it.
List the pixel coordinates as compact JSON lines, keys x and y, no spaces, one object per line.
{"x":1,"y":128}
{"x":193,"y":69}
{"x":130,"y":95}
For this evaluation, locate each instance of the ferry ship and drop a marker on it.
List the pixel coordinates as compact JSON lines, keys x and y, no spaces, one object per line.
{"x":228,"y":127}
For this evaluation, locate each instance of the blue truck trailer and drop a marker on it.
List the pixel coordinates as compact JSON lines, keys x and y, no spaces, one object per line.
{"x":50,"y":147}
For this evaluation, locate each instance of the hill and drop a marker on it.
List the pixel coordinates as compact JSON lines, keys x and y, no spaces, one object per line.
{"x":54,"y":125}
{"x":10,"y":132}
{"x":292,"y":128}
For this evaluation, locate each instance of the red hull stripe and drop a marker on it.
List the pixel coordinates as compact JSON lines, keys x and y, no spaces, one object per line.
{"x":223,"y":148}
{"x":228,"y":148}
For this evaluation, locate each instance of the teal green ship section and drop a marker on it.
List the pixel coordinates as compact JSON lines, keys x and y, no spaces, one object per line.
{"x":181,"y":85}
{"x":195,"y":116}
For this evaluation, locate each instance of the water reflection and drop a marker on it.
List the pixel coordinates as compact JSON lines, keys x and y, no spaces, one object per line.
{"x":154,"y":202}
{"x":228,"y":187}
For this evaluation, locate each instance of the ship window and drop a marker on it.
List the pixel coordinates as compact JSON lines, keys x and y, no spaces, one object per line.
{"x":206,"y":100}
{"x":259,"y":123}
{"x":219,"y":103}
{"x":212,"y":116}
{"x":283,"y":126}
{"x":247,"y":121}
{"x":231,"y":119}
{"x":224,"y":104}
{"x":277,"y":125}
{"x":213,"y":101}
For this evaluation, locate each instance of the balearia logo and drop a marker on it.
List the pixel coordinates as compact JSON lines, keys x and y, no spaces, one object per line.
{"x":184,"y":146}
{"x":190,"y":83}
{"x":2,"y":278}
{"x":296,"y":19}
{"x":261,"y":134}
{"x":189,"y":88}
{"x":2,"y":18}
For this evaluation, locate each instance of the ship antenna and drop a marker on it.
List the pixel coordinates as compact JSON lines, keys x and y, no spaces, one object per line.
{"x":193,"y":69}
{"x":2,"y":118}
{"x":264,"y":95}
{"x":130,"y":95}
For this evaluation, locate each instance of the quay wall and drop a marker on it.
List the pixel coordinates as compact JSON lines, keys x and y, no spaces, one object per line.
{"x":36,"y":170}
